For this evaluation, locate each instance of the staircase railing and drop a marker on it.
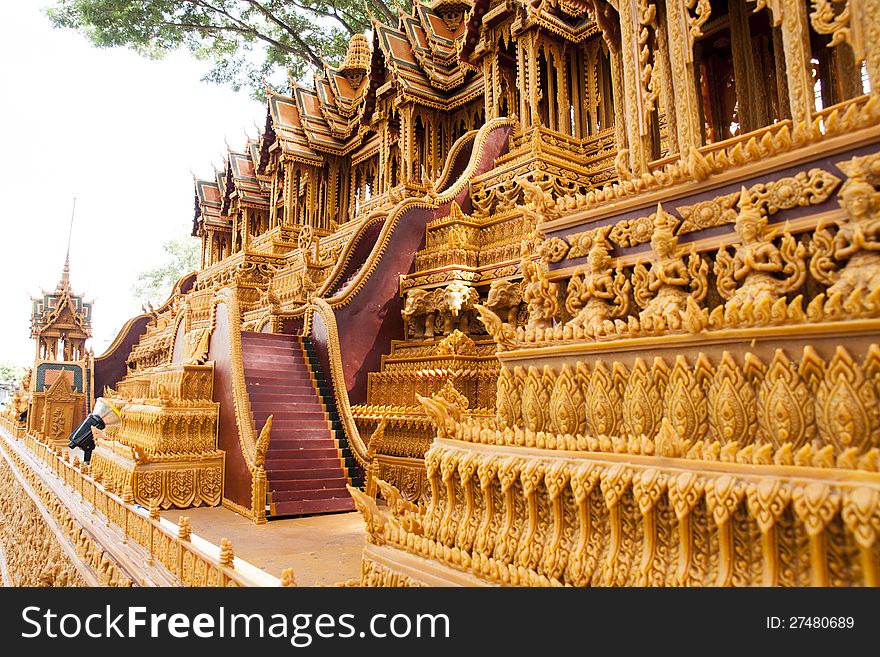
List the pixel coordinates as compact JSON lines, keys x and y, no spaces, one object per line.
{"x":325,"y":309}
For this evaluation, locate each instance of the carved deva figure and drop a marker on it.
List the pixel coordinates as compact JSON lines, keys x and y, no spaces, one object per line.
{"x":539,"y":293}
{"x":855,"y":243}
{"x":759,"y":273}
{"x":664,"y":289}
{"x":420,"y":310}
{"x":596,"y":295}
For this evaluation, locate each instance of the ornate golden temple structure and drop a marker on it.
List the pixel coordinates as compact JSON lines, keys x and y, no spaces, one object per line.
{"x":566,"y":292}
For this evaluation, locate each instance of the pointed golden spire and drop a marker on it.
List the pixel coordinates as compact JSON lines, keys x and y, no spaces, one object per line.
{"x":64,"y":283}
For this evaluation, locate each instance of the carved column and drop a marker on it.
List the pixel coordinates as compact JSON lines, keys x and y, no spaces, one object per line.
{"x":618,"y":92}
{"x":589,"y":79}
{"x":563,"y":122}
{"x":869,"y":16}
{"x":796,"y":42}
{"x":384,"y":158}
{"x":815,"y":505}
{"x":779,"y":62}
{"x":533,"y":82}
{"x":681,"y":63}
{"x":743,"y":67}
{"x":245,"y":228}
{"x":552,"y":84}
{"x":490,"y":86}
{"x":522,"y":83}
{"x":331,"y":202}
{"x":235,"y":233}
{"x":407,"y":143}
{"x":667,"y":97}
{"x":636,"y":120}
{"x":290,"y":197}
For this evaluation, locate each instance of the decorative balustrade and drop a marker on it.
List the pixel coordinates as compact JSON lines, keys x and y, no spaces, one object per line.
{"x":543,"y":518}
{"x":189,"y":559}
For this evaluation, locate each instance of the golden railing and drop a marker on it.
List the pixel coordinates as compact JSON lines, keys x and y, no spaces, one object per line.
{"x":192,"y":560}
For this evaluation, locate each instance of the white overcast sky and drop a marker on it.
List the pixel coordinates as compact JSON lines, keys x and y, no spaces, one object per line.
{"x":119,"y":132}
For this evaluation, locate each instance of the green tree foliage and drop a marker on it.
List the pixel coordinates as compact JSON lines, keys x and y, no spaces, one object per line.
{"x":10,"y":372}
{"x":247,"y":40}
{"x":154,"y":285}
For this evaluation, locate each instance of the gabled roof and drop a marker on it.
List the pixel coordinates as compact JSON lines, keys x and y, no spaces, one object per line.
{"x":419,"y":57}
{"x":221,"y":179}
{"x":253,"y":150}
{"x":435,"y":46}
{"x":286,"y":124}
{"x":348,"y":83}
{"x":315,"y":126}
{"x":340,"y":124}
{"x":62,"y":308}
{"x":434,"y":89}
{"x":575,"y":20}
{"x":209,"y":204}
{"x":244,"y":179}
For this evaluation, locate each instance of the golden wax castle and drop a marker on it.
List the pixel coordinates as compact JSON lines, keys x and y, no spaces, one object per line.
{"x":575,"y":292}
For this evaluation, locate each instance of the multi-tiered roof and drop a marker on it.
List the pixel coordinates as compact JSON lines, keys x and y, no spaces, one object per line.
{"x":334,"y":116}
{"x":61,"y":312}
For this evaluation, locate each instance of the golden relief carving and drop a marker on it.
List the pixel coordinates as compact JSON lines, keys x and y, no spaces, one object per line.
{"x":759,"y":272}
{"x":663,"y":290}
{"x":538,"y":292}
{"x":595,"y":296}
{"x":617,"y":378}
{"x":707,"y":516}
{"x":717,"y":408}
{"x":854,"y":244}
{"x":165,"y":447}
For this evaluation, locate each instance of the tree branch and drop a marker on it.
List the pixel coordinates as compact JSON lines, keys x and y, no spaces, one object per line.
{"x":304,"y":49}
{"x":389,"y":15}
{"x":328,"y":14}
{"x":310,"y":54}
{"x":360,"y":23}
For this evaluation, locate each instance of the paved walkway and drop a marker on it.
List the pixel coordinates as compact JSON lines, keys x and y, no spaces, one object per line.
{"x":322,"y":550}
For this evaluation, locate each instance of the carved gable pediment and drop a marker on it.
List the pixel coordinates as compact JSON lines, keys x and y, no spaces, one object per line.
{"x":61,"y":390}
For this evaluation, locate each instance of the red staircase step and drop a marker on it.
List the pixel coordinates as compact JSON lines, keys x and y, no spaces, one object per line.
{"x":279,"y":407}
{"x":305,"y":507}
{"x":265,"y":370}
{"x":317,"y":427}
{"x":310,"y":494}
{"x":263,"y":344}
{"x":296,"y":464}
{"x":288,"y":410}
{"x":259,"y":372}
{"x":282,"y":393}
{"x":286,"y":422}
{"x":260,"y":359}
{"x":271,"y":407}
{"x":283,"y":444}
{"x":279,"y":455}
{"x":303,"y":464}
{"x":308,"y":484}
{"x":290,"y":476}
{"x":293,"y":423}
{"x":300,"y":433}
{"x":253,"y":336}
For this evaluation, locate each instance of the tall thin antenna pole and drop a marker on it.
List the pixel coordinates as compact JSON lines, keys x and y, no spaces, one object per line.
{"x":70,"y":232}
{"x":65,"y":273}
